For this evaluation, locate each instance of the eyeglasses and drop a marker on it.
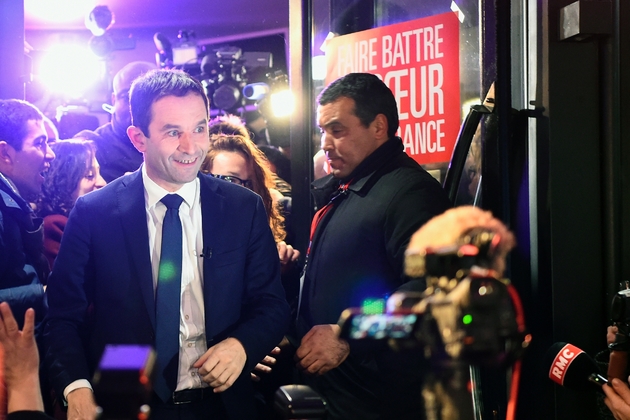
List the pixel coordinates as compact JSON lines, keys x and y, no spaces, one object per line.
{"x":234,"y":180}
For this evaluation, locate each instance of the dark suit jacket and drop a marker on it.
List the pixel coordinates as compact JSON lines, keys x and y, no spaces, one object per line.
{"x":102,"y":292}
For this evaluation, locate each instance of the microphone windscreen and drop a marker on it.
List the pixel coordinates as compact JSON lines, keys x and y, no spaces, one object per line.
{"x":570,"y":366}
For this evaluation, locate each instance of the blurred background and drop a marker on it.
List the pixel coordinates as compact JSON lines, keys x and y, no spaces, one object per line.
{"x":77,"y":46}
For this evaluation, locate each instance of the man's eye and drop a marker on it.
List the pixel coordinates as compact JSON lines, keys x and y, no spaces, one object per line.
{"x":200,"y":129}
{"x":172,"y":133}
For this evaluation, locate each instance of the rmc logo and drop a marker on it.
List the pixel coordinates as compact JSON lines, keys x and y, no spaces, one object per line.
{"x":562,"y":361}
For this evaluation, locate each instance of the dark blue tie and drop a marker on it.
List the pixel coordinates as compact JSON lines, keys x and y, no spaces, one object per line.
{"x":167,"y":298}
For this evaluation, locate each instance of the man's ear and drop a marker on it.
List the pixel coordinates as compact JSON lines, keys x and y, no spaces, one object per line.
{"x":7,"y":157}
{"x":6,"y":153}
{"x":137,"y":138}
{"x":380,"y":127}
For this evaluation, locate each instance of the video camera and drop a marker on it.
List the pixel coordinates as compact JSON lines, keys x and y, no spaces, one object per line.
{"x":465,"y":317}
{"x":224,"y":70}
{"x":465,"y":313}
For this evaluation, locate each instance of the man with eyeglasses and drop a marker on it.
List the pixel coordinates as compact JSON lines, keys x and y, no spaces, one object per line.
{"x":169,"y":257}
{"x":114,"y":152}
{"x":369,"y":206}
{"x":25,"y":156}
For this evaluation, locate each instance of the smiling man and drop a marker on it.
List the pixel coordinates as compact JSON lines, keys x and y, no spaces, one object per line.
{"x":171,"y":258}
{"x":24,"y":157}
{"x":373,"y":201}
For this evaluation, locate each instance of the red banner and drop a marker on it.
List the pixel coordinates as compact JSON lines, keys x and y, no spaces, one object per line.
{"x":419,"y":61}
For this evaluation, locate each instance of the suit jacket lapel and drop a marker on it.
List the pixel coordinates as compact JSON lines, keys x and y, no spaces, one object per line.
{"x":130,"y":197}
{"x":211,"y":204}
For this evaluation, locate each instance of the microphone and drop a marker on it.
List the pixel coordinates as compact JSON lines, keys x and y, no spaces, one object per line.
{"x":206,"y":253}
{"x":571,"y":367}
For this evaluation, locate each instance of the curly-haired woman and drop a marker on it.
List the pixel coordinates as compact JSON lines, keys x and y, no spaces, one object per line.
{"x":236,"y":159}
{"x":73,"y":173}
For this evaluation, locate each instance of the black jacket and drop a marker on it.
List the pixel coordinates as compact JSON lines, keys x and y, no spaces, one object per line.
{"x":358,"y":248}
{"x":357,"y":253}
{"x":114,"y":151}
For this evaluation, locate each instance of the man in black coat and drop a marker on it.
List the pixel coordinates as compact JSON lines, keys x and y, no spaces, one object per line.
{"x":373,"y":201}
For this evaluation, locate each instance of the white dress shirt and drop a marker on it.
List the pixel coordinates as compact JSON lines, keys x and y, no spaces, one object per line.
{"x":192,"y":338}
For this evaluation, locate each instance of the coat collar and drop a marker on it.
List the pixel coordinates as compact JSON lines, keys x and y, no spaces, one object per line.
{"x":362,"y":174}
{"x":130,"y":196}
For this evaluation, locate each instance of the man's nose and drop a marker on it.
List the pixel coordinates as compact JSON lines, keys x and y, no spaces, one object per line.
{"x":49,"y":154}
{"x":186,"y":144}
{"x":326,"y":144}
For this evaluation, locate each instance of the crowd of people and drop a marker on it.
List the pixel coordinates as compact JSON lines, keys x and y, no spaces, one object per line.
{"x":168,"y":229}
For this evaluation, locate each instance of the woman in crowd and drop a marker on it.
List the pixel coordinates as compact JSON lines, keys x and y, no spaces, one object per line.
{"x":236,"y":159}
{"x":73,"y":173}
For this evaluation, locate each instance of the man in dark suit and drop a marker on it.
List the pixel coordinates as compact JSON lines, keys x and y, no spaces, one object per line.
{"x":112,"y":277}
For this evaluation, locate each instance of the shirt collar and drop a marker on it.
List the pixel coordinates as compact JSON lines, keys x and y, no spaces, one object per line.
{"x":154,"y":192}
{"x":381,"y":156}
{"x":9,"y":183}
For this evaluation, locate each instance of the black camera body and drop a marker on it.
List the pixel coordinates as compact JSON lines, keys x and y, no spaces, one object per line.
{"x":474,"y":324}
{"x":465,"y":313}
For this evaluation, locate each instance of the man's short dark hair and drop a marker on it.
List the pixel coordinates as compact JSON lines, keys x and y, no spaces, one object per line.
{"x":14,"y":114}
{"x":371,"y":97}
{"x":158,"y":84}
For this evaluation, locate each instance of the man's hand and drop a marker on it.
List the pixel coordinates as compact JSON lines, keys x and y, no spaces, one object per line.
{"x":222,"y":364}
{"x":287,"y":253}
{"x":21,"y":361}
{"x":322,"y":350}
{"x":81,"y":405}
{"x":611,"y":334}
{"x":266,"y":365}
{"x":20,"y":350}
{"x":618,"y":399}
